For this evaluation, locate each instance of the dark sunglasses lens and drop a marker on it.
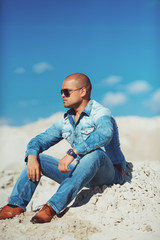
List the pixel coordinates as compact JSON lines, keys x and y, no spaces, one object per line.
{"x":65,"y":92}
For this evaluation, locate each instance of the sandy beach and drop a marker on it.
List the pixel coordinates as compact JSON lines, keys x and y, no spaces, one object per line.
{"x":130,"y":211}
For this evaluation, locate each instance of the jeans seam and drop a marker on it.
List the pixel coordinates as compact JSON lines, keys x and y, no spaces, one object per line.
{"x":22,"y":191}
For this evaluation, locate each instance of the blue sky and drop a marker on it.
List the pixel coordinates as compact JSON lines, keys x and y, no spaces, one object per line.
{"x":114,"y":42}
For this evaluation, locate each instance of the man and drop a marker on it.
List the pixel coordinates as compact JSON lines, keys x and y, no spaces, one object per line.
{"x":93,"y":134}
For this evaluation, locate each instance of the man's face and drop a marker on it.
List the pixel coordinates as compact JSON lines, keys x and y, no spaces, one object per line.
{"x":74,"y":99}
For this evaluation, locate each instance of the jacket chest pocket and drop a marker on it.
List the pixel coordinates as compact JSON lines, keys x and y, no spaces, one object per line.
{"x":85,"y":132}
{"x":67,"y":135}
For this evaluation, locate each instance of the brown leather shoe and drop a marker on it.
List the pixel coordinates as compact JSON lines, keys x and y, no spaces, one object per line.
{"x":44,"y":215}
{"x":10,"y":212}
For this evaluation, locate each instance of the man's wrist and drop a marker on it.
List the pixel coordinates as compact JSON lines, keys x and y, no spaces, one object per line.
{"x":31,"y":157}
{"x":72,"y":153}
{"x":75,"y":151}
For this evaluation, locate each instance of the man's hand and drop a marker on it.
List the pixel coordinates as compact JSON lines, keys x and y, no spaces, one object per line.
{"x":64,"y":163}
{"x":33,"y":168}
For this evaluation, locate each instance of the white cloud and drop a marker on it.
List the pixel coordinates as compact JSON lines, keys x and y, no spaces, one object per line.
{"x":20,"y":70}
{"x":5,"y":121}
{"x":154,"y":102}
{"x":113,"y":99}
{"x":112,"y":80}
{"x":27,"y":103}
{"x":138,"y":87}
{"x":42,"y":67}
{"x":27,"y":121}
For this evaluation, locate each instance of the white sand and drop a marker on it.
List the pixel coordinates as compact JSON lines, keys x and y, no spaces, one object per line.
{"x":131,"y":211}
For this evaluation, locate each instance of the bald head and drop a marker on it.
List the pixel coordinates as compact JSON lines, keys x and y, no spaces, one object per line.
{"x":80,"y":80}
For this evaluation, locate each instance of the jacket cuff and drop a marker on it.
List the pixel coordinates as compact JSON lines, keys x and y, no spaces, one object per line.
{"x":30,"y":152}
{"x":82,"y":148}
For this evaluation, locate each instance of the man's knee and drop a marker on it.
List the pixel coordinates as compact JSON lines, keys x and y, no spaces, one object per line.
{"x":45,"y":157}
{"x":97,"y":153}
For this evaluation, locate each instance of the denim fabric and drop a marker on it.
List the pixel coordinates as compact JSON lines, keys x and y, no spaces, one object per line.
{"x":95,"y":137}
{"x":94,"y":169}
{"x":96,"y":128}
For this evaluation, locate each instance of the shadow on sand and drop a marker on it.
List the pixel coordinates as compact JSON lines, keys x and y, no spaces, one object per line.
{"x":84,"y":196}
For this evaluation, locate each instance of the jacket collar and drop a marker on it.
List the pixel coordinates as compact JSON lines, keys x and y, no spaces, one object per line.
{"x":86,"y":111}
{"x":88,"y":108}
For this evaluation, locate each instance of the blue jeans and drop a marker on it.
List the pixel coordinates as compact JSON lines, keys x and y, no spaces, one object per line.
{"x":93,"y":169}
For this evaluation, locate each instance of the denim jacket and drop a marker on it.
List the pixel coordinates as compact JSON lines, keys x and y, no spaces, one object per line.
{"x":96,"y":128}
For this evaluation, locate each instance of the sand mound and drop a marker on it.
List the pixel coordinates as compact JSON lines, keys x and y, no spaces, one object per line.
{"x":130,"y":211}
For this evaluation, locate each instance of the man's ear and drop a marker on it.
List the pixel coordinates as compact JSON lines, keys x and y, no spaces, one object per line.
{"x":83,"y":92}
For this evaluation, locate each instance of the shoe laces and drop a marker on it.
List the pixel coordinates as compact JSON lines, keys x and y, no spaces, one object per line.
{"x":45,"y":207}
{"x":39,"y":207}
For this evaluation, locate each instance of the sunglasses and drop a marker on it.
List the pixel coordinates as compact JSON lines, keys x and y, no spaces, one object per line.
{"x":66,"y":92}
